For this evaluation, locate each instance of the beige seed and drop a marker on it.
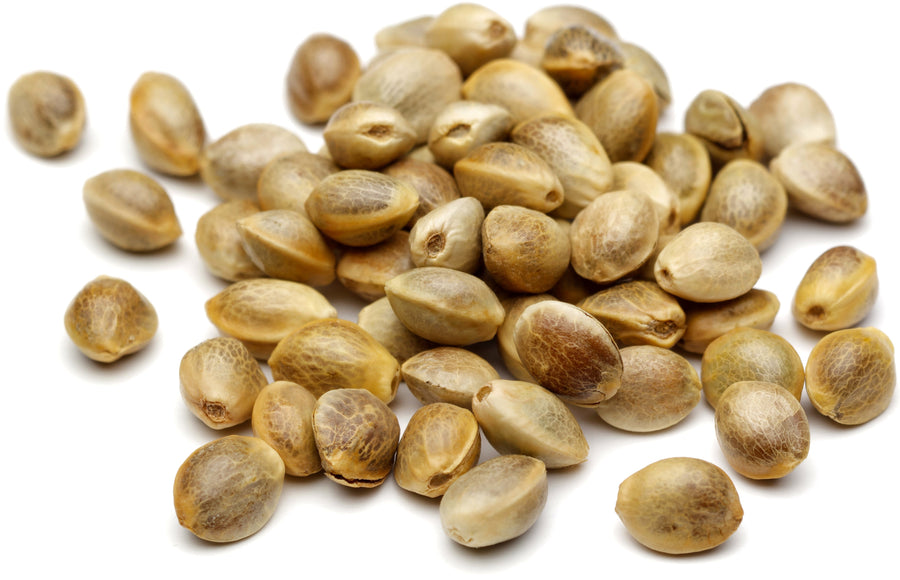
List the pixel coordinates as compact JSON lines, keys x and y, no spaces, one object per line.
{"x":46,"y":112}
{"x":683,"y":163}
{"x":851,"y":374}
{"x":506,"y":342}
{"x":330,"y":354}
{"x":471,"y":34}
{"x":639,"y":177}
{"x":464,"y":125}
{"x":445,"y":306}
{"x":447,"y":374}
{"x":706,"y":322}
{"x":262,"y":311}
{"x":321,"y":77}
{"x":568,"y":352}
{"x":357,"y":435}
{"x":229,"y":488}
{"x":521,"y":89}
{"x":219,"y":243}
{"x":131,"y":210}
{"x":109,"y":319}
{"x":726,"y":128}
{"x":837,"y":291}
{"x":659,"y":389}
{"x":525,"y":418}
{"x":166,"y":125}
{"x":762,"y":429}
{"x":365,"y":271}
{"x":408,"y":33}
{"x":434,"y":184}
{"x":440,"y":443}
{"x":495,"y":501}
{"x":282,"y":417}
{"x":367,"y":135}
{"x":287,"y":181}
{"x":449,"y":236}
{"x":543,"y":23}
{"x":577,"y":57}
{"x":219,"y":381}
{"x":679,"y":505}
{"x":792,"y":113}
{"x":378,"y":319}
{"x":645,"y":64}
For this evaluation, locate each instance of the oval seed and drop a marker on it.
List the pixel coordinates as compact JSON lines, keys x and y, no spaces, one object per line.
{"x":683,"y":163}
{"x":679,"y":505}
{"x":850,"y":375}
{"x":494,"y":502}
{"x":357,"y":435}
{"x":367,"y":135}
{"x":440,"y":443}
{"x":287,"y":181}
{"x":506,"y":341}
{"x":577,"y":57}
{"x":46,"y":112}
{"x":282,"y":417}
{"x":365,"y":271}
{"x":219,"y":243}
{"x":447,"y":374}
{"x":449,"y":236}
{"x":792,"y":113}
{"x":219,"y":381}
{"x":229,"y":488}
{"x":434,"y":184}
{"x":639,"y":177}
{"x":543,"y":23}
{"x":109,"y":319}
{"x":131,"y":210}
{"x":525,"y":418}
{"x":464,"y":125}
{"x":519,"y":88}
{"x":378,"y":319}
{"x":165,"y":125}
{"x":262,"y":311}
{"x":471,"y":34}
{"x":569,"y":352}
{"x":645,"y":64}
{"x":707,"y":322}
{"x":726,"y":128}
{"x":321,"y":77}
{"x":838,"y":290}
{"x":330,"y":354}
{"x":659,"y":388}
{"x":762,"y":429}
{"x":403,"y":34}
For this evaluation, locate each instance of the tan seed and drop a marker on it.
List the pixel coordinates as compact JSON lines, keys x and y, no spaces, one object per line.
{"x":449,"y":236}
{"x":378,"y":319}
{"x":726,"y":128}
{"x":471,"y":34}
{"x":683,"y":163}
{"x":792,"y":113}
{"x":577,"y":57}
{"x":464,"y":125}
{"x":46,"y":112}
{"x":219,"y":242}
{"x":321,"y":77}
{"x":519,"y":88}
{"x":287,"y":181}
{"x":434,"y":184}
{"x":367,"y":135}
{"x":708,"y":321}
{"x":282,"y":417}
{"x":365,"y":271}
{"x":837,"y":291}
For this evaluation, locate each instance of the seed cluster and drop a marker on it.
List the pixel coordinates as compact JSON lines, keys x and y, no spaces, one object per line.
{"x":476,"y":186}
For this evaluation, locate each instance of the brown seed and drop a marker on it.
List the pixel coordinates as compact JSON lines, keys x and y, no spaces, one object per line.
{"x":659,"y":389}
{"x":762,"y":429}
{"x":521,"y":89}
{"x":750,"y":354}
{"x":262,"y":311}
{"x":449,"y":236}
{"x":471,"y":34}
{"x":365,"y":271}
{"x":219,"y":243}
{"x":287,"y":181}
{"x":282,"y":417}
{"x":464,"y":125}
{"x":131,"y":210}
{"x":321,"y":77}
{"x":792,"y":113}
{"x":506,"y":341}
{"x":638,"y":312}
{"x":679,"y":505}
{"x":367,"y":135}
{"x":726,"y":128}
{"x":109,"y":319}
{"x":229,"y":488}
{"x":166,"y":125}
{"x":683,"y":163}
{"x":838,"y":290}
{"x":447,"y":374}
{"x":440,"y":443}
{"x":357,"y":435}
{"x":706,"y":322}
{"x":330,"y":354}
{"x":569,"y":352}
{"x":219,"y":381}
{"x":46,"y":112}
{"x":231,"y":165}
{"x":434,"y":184}
{"x":577,"y":57}
{"x":378,"y":319}
{"x":851,"y":374}
{"x":524,"y":250}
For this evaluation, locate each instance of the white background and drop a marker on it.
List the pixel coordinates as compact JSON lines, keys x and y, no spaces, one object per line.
{"x":92,"y":449}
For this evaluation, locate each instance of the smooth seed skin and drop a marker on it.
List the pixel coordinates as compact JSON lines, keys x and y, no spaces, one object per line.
{"x":726,"y":128}
{"x":465,"y":125}
{"x":131,"y":210}
{"x":445,"y":306}
{"x":440,"y":443}
{"x":750,"y":354}
{"x":378,"y":319}
{"x":282,"y":417}
{"x":329,"y":354}
{"x":518,"y":417}
{"x":707,"y":322}
{"x":837,"y":291}
{"x":449,"y":236}
{"x":495,"y":501}
{"x":321,"y":77}
{"x":659,"y":389}
{"x":367,"y":135}
{"x":357,"y":435}
{"x":792,"y":113}
{"x":219,"y":381}
{"x":229,"y":488}
{"x":447,"y":374}
{"x":471,"y":35}
{"x":262,"y":311}
{"x":762,"y":429}
{"x":568,"y":352}
{"x":679,"y":505}
{"x":708,"y":262}
{"x":166,"y":125}
{"x":851,"y":374}
{"x":46,"y":112}
{"x":287,"y":181}
{"x":683,"y":163}
{"x":219,"y":243}
{"x":109,"y":319}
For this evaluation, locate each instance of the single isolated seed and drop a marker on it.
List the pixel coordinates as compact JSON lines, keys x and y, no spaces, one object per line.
{"x":321,"y":77}
{"x":449,"y":236}
{"x":47,"y":113}
{"x":219,"y":381}
{"x":229,"y":488}
{"x":762,"y":429}
{"x":131,"y":210}
{"x":219,"y":242}
{"x":708,"y":321}
{"x":850,"y":375}
{"x":495,"y":501}
{"x":282,"y":417}
{"x":109,"y":319}
{"x":638,"y":312}
{"x":838,"y":290}
{"x":679,"y":505}
{"x":471,"y":35}
{"x":447,"y":374}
